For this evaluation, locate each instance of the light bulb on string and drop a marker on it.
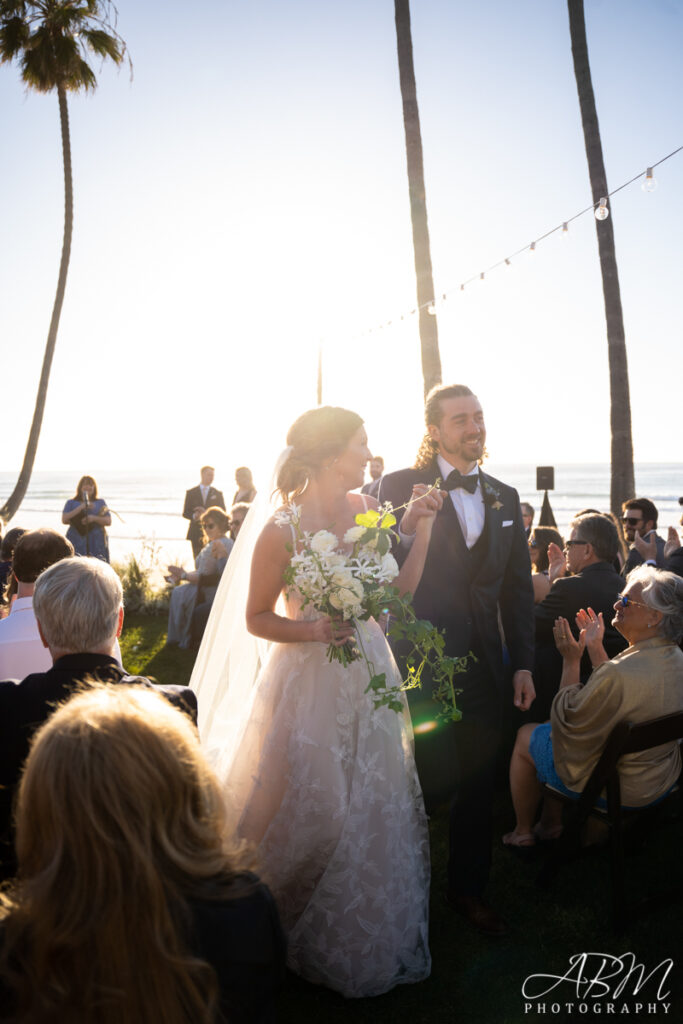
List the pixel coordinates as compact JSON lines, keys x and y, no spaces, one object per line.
{"x":507,"y":262}
{"x":601,"y":210}
{"x":431,"y":309}
{"x":650,"y":183}
{"x":565,"y":229}
{"x":481,"y":276}
{"x":532,"y":247}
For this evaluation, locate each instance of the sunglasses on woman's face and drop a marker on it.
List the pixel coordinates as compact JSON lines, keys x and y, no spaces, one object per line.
{"x":626,"y":600}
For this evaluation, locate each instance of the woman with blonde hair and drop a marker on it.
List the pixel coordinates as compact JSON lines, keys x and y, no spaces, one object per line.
{"x":128,"y":905}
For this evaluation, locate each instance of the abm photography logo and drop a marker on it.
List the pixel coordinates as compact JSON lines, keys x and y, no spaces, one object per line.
{"x":599,"y":983}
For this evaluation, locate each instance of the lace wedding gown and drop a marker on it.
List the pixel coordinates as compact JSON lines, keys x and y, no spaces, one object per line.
{"x":326,"y":787}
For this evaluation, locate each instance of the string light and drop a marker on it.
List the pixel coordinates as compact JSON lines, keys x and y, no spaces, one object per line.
{"x":601,"y":212}
{"x":650,"y":183}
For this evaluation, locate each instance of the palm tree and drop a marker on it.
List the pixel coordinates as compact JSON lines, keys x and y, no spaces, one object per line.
{"x":622,"y":483}
{"x":50,"y":40}
{"x":429,"y":337}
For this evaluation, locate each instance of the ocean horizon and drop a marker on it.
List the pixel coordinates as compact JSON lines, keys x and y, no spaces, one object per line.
{"x":147,"y":505}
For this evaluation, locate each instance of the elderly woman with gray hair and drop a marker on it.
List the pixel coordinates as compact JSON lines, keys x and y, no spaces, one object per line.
{"x":642,"y":682}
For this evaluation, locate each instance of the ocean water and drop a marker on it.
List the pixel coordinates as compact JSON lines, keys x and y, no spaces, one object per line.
{"x":146,"y":507}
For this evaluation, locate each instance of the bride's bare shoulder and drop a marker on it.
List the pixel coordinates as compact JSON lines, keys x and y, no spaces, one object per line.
{"x":359,"y":502}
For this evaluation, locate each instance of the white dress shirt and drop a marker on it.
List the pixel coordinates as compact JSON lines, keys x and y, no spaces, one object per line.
{"x":21,"y":649}
{"x":469,"y":507}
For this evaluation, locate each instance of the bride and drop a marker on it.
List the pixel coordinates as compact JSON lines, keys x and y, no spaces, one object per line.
{"x":322,"y":783}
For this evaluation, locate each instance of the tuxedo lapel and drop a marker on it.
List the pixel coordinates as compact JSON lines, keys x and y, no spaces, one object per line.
{"x":447,"y":521}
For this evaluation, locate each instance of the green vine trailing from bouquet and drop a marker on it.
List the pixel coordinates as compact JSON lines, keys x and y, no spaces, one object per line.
{"x":356,"y":586}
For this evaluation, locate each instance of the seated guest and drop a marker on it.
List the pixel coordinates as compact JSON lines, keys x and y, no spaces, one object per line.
{"x":209,"y":566}
{"x":21,"y":649}
{"x":131,"y":905}
{"x":644,"y":681}
{"x":238,"y":514}
{"x":9,"y":543}
{"x":594,"y":583}
{"x":640,"y":522}
{"x":539,"y":541}
{"x":78,"y":606}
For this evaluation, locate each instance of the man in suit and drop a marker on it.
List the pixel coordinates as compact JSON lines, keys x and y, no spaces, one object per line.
{"x":640,"y":522}
{"x":376,"y":468}
{"x":79,"y":611}
{"x":593,"y":583}
{"x":197,"y":500}
{"x":477,"y":566}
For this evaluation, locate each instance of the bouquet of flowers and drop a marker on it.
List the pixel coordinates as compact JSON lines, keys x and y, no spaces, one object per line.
{"x":356,"y":586}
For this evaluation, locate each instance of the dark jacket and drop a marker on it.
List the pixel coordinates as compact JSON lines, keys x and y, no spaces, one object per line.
{"x":24,"y":706}
{"x":462,"y":596}
{"x":634,"y":557}
{"x":193,"y":498}
{"x":594,"y":587}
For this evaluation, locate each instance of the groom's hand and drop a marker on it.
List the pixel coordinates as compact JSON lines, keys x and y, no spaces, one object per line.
{"x":425,"y":500}
{"x":524,"y":690}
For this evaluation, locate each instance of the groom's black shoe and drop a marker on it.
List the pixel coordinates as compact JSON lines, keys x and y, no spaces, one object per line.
{"x":477,"y":913}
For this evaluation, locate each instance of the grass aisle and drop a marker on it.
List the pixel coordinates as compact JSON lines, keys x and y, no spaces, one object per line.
{"x":475,"y":979}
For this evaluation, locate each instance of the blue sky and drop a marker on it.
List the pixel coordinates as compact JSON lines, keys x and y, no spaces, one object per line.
{"x":244,"y":199}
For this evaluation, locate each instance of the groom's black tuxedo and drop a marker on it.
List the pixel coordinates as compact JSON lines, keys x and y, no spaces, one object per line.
{"x":193,"y":499}
{"x":461,"y":590}
{"x":471,"y":594}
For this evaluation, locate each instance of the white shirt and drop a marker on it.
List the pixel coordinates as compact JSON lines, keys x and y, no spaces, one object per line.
{"x":21,"y":649}
{"x":469,"y":507}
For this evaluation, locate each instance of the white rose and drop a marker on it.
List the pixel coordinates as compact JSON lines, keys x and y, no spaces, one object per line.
{"x":353,"y":534}
{"x":388,"y":567}
{"x":323,"y":542}
{"x":334,"y":561}
{"x":343,"y":578}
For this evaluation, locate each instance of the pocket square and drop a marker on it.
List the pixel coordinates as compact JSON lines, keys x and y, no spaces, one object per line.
{"x":507,"y":522}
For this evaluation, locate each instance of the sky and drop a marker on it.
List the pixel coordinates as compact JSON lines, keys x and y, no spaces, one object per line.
{"x":243,"y":201}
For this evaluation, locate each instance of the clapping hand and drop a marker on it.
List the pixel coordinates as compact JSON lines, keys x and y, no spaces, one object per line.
{"x":673,"y":542}
{"x":647,"y":549}
{"x":557,"y":565}
{"x":569,"y":648}
{"x":591,"y":626}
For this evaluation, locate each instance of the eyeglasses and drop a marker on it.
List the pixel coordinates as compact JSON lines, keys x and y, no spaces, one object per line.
{"x":573,"y":543}
{"x":533,"y":543}
{"x":631,"y":522}
{"x":626,"y":600}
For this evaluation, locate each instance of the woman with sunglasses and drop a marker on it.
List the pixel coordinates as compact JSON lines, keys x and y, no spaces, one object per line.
{"x":642,"y":682}
{"x":209,"y":566}
{"x":539,"y":541}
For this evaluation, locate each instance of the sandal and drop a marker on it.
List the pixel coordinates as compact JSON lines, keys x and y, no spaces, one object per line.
{"x":524,"y":840}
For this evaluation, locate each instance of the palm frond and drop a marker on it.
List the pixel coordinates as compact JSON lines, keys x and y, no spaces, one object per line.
{"x":103,"y":44}
{"x":14,"y":35}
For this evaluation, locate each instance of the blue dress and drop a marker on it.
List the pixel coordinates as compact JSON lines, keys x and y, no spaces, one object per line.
{"x":95,"y":542}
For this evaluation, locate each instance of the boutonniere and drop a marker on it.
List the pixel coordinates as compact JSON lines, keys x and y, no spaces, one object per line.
{"x":491,"y":495}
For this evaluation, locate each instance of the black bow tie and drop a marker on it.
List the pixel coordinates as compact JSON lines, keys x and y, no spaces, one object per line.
{"x":456,"y":479}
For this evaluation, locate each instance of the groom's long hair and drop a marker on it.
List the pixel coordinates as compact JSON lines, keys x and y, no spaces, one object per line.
{"x":433,"y":414}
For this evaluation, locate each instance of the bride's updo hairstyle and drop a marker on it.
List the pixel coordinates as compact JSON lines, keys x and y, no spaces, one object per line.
{"x":317,"y":435}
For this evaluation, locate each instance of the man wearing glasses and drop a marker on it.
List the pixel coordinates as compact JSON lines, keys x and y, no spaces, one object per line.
{"x":594,"y":583}
{"x":640,"y":522}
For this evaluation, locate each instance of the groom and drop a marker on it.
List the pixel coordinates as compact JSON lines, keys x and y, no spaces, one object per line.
{"x":477,"y":567}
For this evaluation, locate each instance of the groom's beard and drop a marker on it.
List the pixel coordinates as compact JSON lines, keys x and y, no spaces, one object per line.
{"x":468,"y":451}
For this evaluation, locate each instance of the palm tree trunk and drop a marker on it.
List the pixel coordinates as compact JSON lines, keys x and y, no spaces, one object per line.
{"x":429,"y":337}
{"x":15,"y":499}
{"x":622,"y":483}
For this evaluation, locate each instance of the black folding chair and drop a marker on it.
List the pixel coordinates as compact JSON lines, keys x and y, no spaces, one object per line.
{"x":625,"y":738}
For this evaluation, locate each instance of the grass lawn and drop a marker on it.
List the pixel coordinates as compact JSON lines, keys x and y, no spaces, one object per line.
{"x":475,"y":979}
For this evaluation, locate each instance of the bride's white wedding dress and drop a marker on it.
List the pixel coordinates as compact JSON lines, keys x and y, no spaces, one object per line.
{"x":326,"y":787}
